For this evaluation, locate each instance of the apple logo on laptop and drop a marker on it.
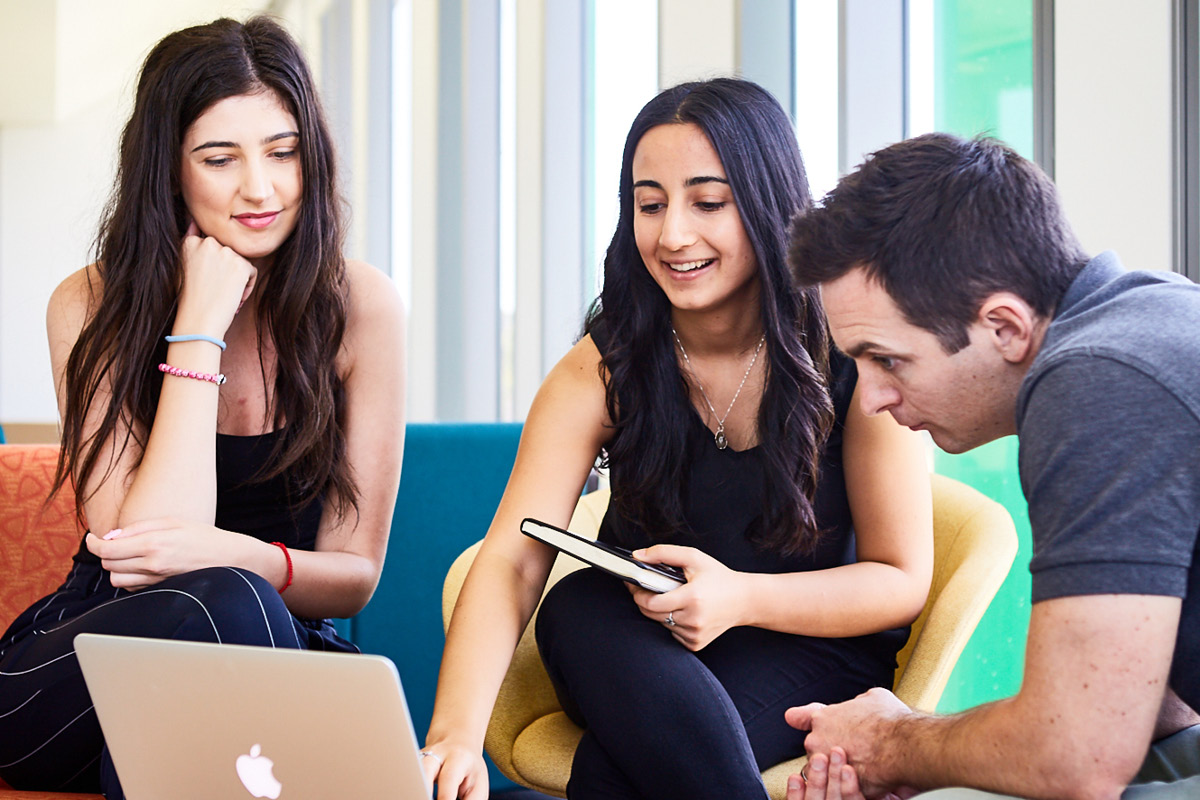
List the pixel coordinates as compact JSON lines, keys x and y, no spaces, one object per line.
{"x":255,"y":773}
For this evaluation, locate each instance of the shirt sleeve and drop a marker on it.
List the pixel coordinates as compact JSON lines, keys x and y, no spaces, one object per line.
{"x":1108,"y":462}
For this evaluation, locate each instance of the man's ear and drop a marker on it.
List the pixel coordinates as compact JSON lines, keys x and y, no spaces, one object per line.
{"x":1011,"y":325}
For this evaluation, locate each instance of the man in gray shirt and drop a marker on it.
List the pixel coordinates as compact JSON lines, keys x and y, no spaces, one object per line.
{"x":950,"y":275}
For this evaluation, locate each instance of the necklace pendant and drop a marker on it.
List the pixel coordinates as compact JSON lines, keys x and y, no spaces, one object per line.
{"x":719,"y":438}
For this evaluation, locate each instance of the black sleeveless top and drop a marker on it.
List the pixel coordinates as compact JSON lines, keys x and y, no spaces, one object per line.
{"x":724,"y":492}
{"x":262,"y":510}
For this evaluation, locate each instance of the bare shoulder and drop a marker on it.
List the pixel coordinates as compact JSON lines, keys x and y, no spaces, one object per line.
{"x":72,"y":299}
{"x":375,"y":318}
{"x":69,"y":308}
{"x":373,"y":296}
{"x":580,"y":366}
{"x":575,"y":386}
{"x":566,"y":427}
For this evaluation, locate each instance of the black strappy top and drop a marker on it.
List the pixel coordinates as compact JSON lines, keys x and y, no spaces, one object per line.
{"x":724,"y":495}
{"x":261,"y":510}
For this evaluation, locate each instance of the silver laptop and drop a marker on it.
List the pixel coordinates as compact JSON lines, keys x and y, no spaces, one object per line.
{"x":185,"y":720}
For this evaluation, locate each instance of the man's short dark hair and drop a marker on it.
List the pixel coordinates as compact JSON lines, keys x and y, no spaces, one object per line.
{"x":941,"y":223}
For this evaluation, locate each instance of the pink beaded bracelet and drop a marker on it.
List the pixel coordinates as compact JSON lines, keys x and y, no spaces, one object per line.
{"x":218,"y":379}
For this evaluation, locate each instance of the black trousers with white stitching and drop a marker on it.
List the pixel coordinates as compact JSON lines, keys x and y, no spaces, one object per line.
{"x":50,"y":738}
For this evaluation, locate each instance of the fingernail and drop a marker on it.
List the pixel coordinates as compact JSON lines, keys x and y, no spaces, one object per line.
{"x":114,"y":533}
{"x":835,"y":759}
{"x":793,"y":783}
{"x":638,"y":553}
{"x":818,"y":764}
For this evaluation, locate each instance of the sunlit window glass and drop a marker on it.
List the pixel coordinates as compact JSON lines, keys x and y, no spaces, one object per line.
{"x":624,"y":77}
{"x":817,"y":60}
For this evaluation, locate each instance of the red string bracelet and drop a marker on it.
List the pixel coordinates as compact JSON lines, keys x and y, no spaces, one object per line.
{"x":288,"y":556}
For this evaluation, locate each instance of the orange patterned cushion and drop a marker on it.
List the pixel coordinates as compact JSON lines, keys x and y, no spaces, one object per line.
{"x":36,"y":545}
{"x":36,"y":541}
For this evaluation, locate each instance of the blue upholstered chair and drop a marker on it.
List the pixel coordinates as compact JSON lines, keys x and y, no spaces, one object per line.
{"x":450,"y":485}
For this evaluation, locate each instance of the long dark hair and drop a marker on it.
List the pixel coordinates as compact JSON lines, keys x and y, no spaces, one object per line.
{"x":302,"y":297}
{"x":646,"y":394}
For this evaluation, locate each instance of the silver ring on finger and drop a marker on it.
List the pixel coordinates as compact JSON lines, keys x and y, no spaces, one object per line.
{"x":430,"y":754}
{"x":670,"y":620}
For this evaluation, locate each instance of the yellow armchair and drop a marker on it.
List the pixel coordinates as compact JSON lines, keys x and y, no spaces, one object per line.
{"x":532,"y":742}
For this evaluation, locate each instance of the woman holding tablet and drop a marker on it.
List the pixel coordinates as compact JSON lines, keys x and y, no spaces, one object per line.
{"x":231,"y":392}
{"x":737,"y":453}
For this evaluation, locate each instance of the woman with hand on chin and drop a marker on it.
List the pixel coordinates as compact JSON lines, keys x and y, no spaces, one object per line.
{"x":736,"y":452}
{"x":231,"y":390}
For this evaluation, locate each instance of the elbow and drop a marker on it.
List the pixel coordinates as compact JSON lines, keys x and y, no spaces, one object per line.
{"x":1092,"y":787}
{"x":1108,"y":780}
{"x":358,"y":591}
{"x":355,"y":602}
{"x":913,"y":610}
{"x":911,"y":603}
{"x":1101,"y":774}
{"x":363,"y":591}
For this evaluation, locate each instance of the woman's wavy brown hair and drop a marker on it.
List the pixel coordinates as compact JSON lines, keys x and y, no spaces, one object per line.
{"x":302,"y":298}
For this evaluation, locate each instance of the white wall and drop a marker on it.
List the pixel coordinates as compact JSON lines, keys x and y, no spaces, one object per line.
{"x":1113,"y":122}
{"x":697,"y":39}
{"x":53,"y":180}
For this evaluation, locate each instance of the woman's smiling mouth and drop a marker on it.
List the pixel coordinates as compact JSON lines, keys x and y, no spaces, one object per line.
{"x":690,"y":266}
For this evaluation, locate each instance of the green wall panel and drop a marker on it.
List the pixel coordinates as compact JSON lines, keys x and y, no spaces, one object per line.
{"x":992,"y":663}
{"x":983,"y":66}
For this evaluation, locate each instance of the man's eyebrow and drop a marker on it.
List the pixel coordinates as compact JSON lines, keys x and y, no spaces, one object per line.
{"x":862,"y":347}
{"x":268,"y":140}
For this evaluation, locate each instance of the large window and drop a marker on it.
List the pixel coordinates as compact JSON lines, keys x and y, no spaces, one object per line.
{"x":817,"y":54}
{"x":871,"y":73}
{"x":508,"y":120}
{"x":623,"y":77}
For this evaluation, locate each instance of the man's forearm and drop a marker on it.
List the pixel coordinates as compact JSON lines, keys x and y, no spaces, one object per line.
{"x":1005,"y":747}
{"x":1096,"y":670}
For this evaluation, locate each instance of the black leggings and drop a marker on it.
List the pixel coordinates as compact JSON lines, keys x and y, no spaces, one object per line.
{"x":49,"y":736}
{"x":662,"y":722}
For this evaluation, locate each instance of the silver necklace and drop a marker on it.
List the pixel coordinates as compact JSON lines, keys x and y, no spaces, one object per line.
{"x":719,"y":436}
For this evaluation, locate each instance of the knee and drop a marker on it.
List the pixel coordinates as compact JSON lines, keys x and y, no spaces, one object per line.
{"x":215,"y":585}
{"x":229,"y":605}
